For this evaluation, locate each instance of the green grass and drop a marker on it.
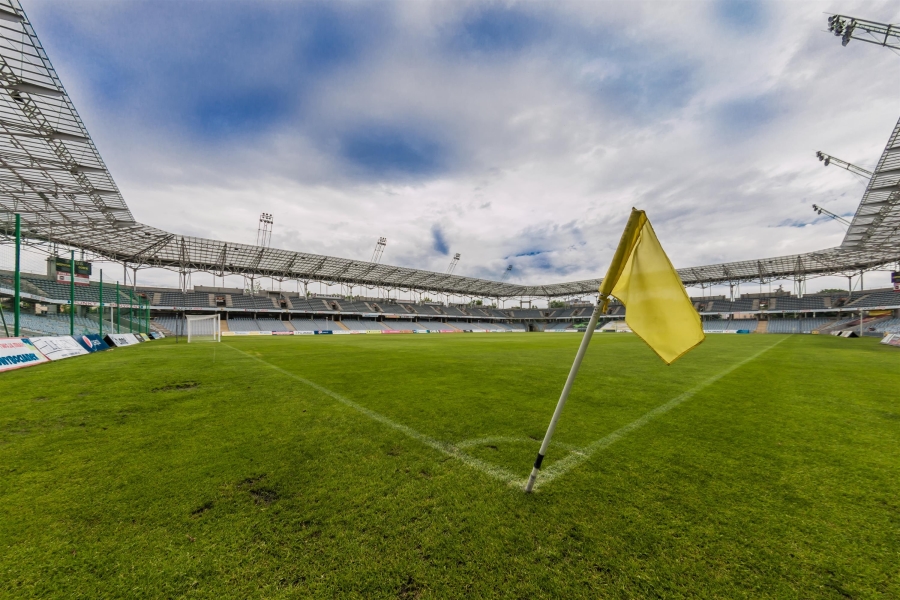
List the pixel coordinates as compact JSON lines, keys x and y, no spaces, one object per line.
{"x":214,"y":471}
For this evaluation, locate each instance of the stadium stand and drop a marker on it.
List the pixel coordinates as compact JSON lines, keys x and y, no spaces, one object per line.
{"x":422,"y":309}
{"x":361,"y":325}
{"x":877,"y":298}
{"x":806,"y":325}
{"x":744,"y":324}
{"x":314,"y":325}
{"x":253,"y":302}
{"x":271,"y":325}
{"x":888,"y":326}
{"x":356,"y":307}
{"x":528,"y":314}
{"x":243,"y":324}
{"x":171,"y":325}
{"x":403,"y":325}
{"x":59,"y":325}
{"x":715,"y":325}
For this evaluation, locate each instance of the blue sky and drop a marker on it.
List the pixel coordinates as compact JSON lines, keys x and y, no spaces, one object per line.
{"x":510,"y":132}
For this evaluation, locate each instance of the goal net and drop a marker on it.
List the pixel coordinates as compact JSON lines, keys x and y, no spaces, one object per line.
{"x":204,"y":328}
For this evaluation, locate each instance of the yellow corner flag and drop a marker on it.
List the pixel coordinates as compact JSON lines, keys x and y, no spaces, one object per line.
{"x":657,"y":307}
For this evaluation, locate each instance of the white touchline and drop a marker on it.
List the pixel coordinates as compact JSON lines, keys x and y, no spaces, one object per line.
{"x":448,"y":449}
{"x":561,"y":467}
{"x":564,"y":465}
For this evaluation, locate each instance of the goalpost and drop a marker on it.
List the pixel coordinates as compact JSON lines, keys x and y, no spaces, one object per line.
{"x":204,"y":328}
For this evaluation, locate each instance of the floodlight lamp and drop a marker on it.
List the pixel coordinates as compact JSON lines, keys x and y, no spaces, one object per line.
{"x":827,"y":160}
{"x":820,"y":156}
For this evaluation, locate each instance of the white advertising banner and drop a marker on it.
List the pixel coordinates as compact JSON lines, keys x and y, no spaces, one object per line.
{"x":79,"y":278}
{"x":57,"y":348}
{"x":122,"y":339}
{"x":17,"y":352}
{"x":891,"y":339}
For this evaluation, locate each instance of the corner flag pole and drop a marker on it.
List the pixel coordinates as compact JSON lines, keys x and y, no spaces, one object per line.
{"x":626,"y":245}
{"x":585,"y":341}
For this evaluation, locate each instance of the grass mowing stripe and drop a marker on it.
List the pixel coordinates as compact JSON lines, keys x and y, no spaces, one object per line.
{"x":448,"y":449}
{"x":571,"y":461}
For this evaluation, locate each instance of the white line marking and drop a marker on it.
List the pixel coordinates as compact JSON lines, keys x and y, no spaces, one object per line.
{"x":571,"y":461}
{"x":503,"y":439}
{"x":442,"y":447}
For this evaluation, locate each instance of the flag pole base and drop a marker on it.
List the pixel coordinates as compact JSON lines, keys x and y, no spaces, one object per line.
{"x":534,"y":473}
{"x":531,"y":479}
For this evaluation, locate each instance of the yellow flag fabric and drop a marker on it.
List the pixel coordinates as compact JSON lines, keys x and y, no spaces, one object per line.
{"x":657,"y":307}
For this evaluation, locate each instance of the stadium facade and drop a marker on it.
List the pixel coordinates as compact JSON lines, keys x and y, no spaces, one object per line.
{"x":53,"y":177}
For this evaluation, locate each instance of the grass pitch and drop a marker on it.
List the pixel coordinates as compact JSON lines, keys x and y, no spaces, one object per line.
{"x":390,"y":466}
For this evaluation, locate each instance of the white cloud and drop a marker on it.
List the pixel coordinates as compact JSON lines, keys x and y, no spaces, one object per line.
{"x":543,"y":148}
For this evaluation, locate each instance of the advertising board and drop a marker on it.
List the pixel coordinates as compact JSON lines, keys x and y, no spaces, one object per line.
{"x":304,"y":333}
{"x":119,"y":340}
{"x":59,"y":347}
{"x":16,"y":353}
{"x":91,"y":342}
{"x":79,"y":279}
{"x":891,"y":339}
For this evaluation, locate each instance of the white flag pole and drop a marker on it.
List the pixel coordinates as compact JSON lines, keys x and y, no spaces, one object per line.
{"x":595,"y":316}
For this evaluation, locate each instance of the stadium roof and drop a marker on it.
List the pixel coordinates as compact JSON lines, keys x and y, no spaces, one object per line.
{"x":53,"y":176}
{"x":877,"y":220}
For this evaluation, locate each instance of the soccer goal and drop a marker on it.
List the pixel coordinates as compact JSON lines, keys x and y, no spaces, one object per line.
{"x":204,"y":328}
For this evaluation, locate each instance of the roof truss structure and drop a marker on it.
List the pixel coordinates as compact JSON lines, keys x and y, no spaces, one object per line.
{"x":53,"y":176}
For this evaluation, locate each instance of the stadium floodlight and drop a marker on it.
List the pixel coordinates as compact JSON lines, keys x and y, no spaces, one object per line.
{"x":453,"y":264}
{"x":204,"y":328}
{"x":822,"y":211}
{"x":264,"y":230}
{"x":827,"y":159}
{"x":379,"y":250}
{"x":872,"y":32}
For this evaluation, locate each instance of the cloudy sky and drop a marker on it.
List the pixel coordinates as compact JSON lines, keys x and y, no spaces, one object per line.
{"x":511,"y":132}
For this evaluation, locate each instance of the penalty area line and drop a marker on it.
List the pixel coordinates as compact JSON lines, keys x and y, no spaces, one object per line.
{"x":444,"y":448}
{"x":564,"y":465}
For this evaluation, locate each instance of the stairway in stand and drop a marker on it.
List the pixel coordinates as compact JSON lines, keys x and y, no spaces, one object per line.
{"x":762,"y":327}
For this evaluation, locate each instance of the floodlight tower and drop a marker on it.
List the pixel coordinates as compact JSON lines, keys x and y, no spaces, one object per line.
{"x":506,"y":273}
{"x":379,"y":250}
{"x":453,"y":264}
{"x":872,"y":32}
{"x":264,"y":230}
{"x":828,"y":213}
{"x":827,"y":159}
{"x":263,"y":239}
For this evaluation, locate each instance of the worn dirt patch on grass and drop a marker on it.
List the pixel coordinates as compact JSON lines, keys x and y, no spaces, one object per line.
{"x":184,"y":385}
